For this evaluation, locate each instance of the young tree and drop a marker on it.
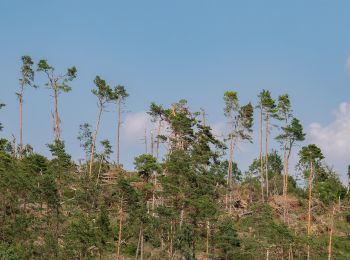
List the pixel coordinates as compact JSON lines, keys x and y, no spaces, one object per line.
{"x":85,"y":138}
{"x":267,"y":111}
{"x":120,"y":95}
{"x":104,"y":95}
{"x":58,"y":83}
{"x":27,"y":78}
{"x":310,"y":156}
{"x":292,"y":132}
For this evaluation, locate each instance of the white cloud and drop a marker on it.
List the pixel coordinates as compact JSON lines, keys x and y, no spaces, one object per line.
{"x":334,"y":138}
{"x":134,"y":126}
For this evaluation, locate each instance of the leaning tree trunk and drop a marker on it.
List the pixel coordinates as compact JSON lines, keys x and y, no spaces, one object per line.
{"x":94,"y":139}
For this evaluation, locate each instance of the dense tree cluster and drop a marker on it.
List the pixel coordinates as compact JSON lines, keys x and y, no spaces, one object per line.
{"x":190,"y":202}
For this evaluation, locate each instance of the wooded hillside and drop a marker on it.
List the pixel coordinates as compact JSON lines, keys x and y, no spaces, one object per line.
{"x":190,"y":202}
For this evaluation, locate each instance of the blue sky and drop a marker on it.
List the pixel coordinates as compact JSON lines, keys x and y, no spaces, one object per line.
{"x":163,"y":51}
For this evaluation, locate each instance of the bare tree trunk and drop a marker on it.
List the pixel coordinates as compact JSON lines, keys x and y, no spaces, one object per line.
{"x":261,"y":155}
{"x":285,"y":181}
{"x":94,"y":139}
{"x":57,"y":117}
{"x":138,"y":245}
{"x":230,"y":163}
{"x":142,"y":242}
{"x":267,"y":254}
{"x":146,"y":145}
{"x":331,"y":235}
{"x":182,"y":215}
{"x":207,"y":243}
{"x":152,"y":144}
{"x":153,"y":192}
{"x":120,"y":227}
{"x":158,"y":133}
{"x":99,"y":170}
{"x":21,"y":123}
{"x":229,"y":170}
{"x":171,"y":241}
{"x":118,"y":131}
{"x":267,"y":155}
{"x":309,"y":208}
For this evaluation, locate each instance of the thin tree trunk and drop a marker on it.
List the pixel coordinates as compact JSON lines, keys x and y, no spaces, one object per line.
{"x":261,"y":155}
{"x":138,"y":245}
{"x":229,"y":170}
{"x":309,"y":208}
{"x":99,"y":170}
{"x":182,"y":215}
{"x":120,"y":227}
{"x":171,"y":241}
{"x":142,"y":242}
{"x":152,"y":144}
{"x":285,"y":181}
{"x":331,"y":235}
{"x":230,"y":162}
{"x":94,"y":139}
{"x":267,"y":254}
{"x":158,"y":133}
{"x":267,"y":155}
{"x":21,"y":123}
{"x":207,"y":243}
{"x":146,"y":145}
{"x":57,"y":118}
{"x":153,"y":192}
{"x":118,"y":131}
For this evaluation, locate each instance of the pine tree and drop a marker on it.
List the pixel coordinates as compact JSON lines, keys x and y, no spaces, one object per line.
{"x":27,"y":79}
{"x":292,"y":132}
{"x":268,"y":110}
{"x":104,"y":95}
{"x":120,"y":95}
{"x":58,"y":83}
{"x":310,"y":156}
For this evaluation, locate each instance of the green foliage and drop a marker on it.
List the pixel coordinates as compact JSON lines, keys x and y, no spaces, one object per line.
{"x":103,"y":91}
{"x":57,"y":82}
{"x":146,"y":164}
{"x":310,"y":153}
{"x":85,"y":138}
{"x":27,"y":74}
{"x":120,"y":93}
{"x":327,"y":186}
{"x":226,"y":239}
{"x":51,"y":209}
{"x":231,"y":102}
